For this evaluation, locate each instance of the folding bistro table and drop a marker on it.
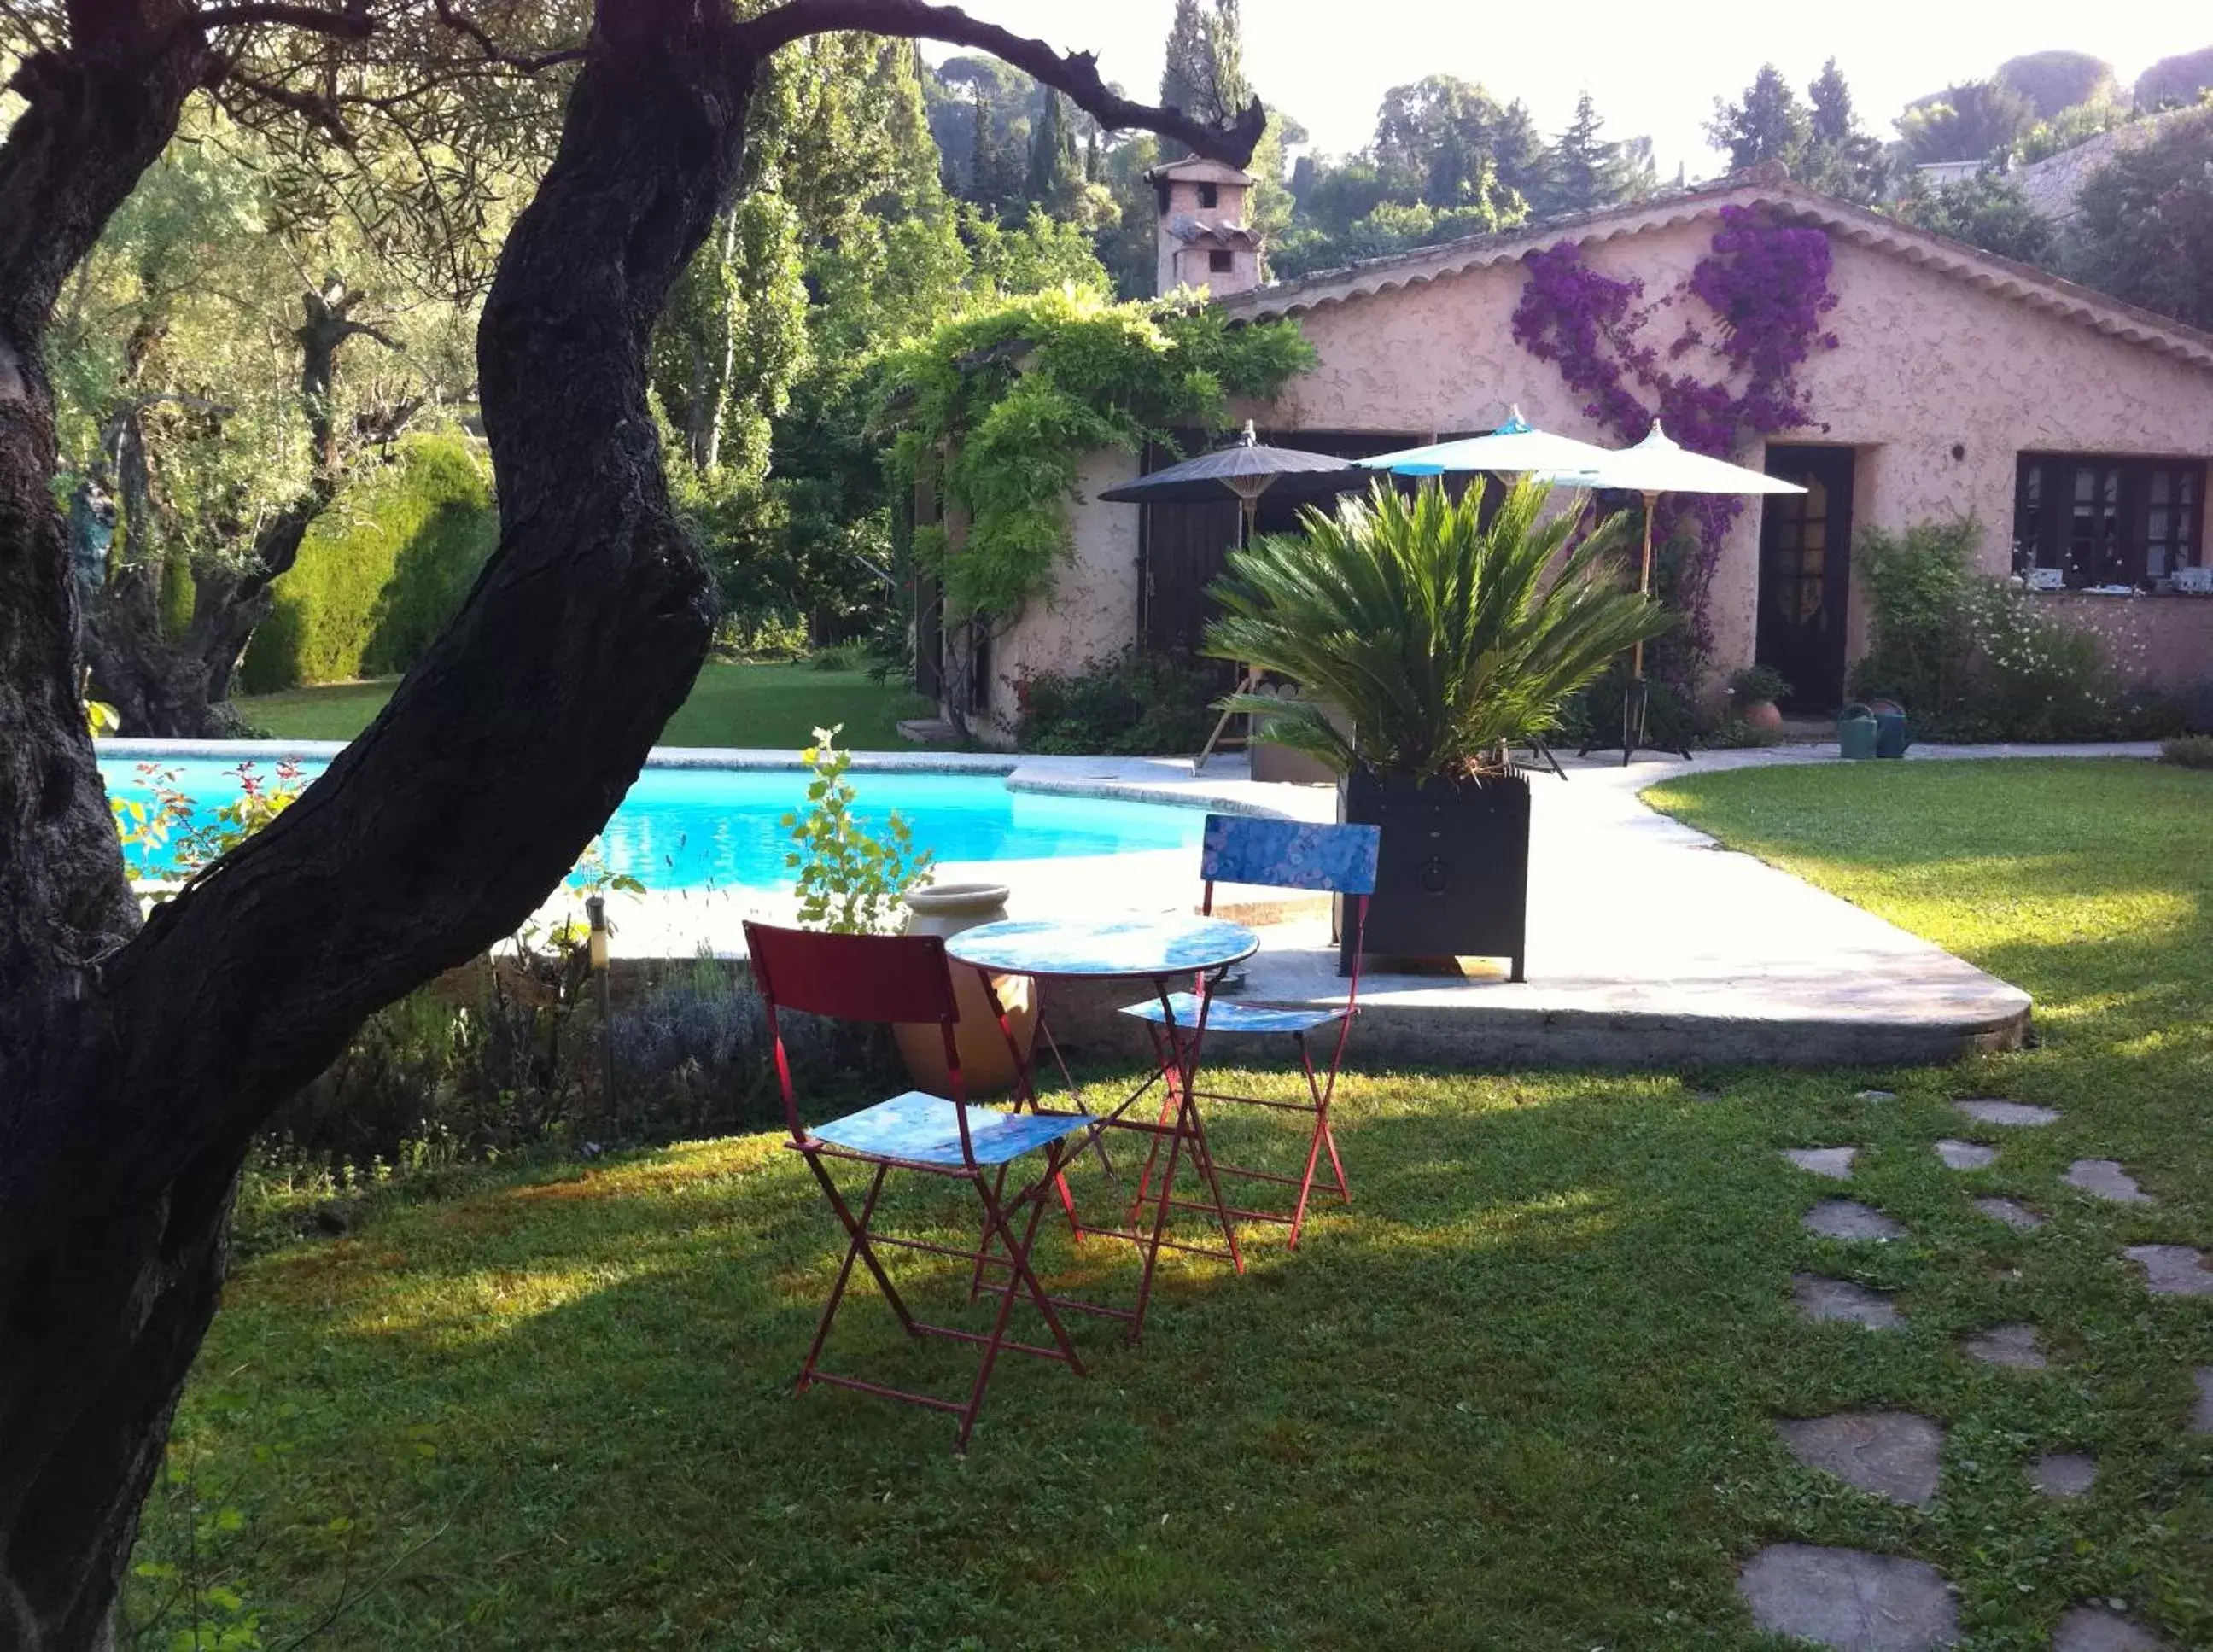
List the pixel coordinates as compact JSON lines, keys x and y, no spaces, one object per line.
{"x":1165,"y":952}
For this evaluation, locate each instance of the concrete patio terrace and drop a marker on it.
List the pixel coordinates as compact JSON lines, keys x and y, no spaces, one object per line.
{"x":1650,"y":943}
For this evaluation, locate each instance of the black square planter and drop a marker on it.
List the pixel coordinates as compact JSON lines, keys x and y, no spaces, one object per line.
{"x":1452,"y":875}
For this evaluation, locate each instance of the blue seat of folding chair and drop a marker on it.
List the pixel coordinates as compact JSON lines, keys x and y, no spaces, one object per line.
{"x":1226,"y":1017}
{"x":919,"y":1129}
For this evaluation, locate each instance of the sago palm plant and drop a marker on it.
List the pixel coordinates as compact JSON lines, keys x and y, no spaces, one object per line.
{"x":1442,"y":640}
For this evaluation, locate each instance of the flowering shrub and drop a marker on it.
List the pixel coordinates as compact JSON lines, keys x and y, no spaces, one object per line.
{"x":1970,"y":657}
{"x":1766,"y":285}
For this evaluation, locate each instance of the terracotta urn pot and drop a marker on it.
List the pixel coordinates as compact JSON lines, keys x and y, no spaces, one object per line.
{"x":986,"y":1067}
{"x":1762,"y":714}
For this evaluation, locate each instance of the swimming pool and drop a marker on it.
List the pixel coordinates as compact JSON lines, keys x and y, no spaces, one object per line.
{"x":695,"y":828}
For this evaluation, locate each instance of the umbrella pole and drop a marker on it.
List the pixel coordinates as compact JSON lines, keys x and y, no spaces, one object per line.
{"x":1248,"y":679}
{"x":1633,"y":697}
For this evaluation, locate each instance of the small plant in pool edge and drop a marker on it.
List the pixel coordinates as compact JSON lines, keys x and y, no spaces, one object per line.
{"x":850,"y":881}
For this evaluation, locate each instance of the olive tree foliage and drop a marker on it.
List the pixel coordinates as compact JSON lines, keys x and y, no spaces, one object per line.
{"x":221,"y":361}
{"x":289,"y":286}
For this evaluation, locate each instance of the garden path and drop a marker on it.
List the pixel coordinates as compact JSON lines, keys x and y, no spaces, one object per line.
{"x":1858,"y":1601}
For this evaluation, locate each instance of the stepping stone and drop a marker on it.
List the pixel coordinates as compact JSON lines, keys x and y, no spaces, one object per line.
{"x":2017,"y":1115}
{"x":2010,"y":1345}
{"x":1965,"y":1155}
{"x":2173,"y":1270}
{"x":2105,"y":1179}
{"x":1875,"y":1096}
{"x":1834,"y":1162}
{"x":2015,"y":1214}
{"x":2093,"y":1628}
{"x":1849,"y":1599}
{"x":1849,"y":1219}
{"x":2063,"y":1473}
{"x":1821,"y":1298}
{"x":1893,"y":1454}
{"x":2201,"y":1420}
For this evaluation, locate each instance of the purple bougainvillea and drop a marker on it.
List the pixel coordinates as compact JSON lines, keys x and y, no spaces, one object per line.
{"x":1766,"y":286}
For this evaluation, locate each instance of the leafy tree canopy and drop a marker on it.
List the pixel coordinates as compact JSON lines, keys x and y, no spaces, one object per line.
{"x":2143,"y":225}
{"x":2176,"y":82}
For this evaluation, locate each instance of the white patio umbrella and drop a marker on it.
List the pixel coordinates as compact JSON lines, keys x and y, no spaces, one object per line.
{"x":1655,"y":466}
{"x":1514,"y":447}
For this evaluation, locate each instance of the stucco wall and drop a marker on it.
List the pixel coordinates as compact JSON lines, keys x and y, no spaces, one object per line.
{"x":1937,"y":385}
{"x":2157,"y":642}
{"x":1092,"y":613}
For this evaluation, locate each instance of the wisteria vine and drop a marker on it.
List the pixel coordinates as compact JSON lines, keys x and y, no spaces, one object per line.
{"x":1766,"y":285}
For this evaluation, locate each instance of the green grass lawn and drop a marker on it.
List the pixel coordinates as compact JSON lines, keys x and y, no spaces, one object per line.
{"x":1518,"y":1396}
{"x":757,"y":705}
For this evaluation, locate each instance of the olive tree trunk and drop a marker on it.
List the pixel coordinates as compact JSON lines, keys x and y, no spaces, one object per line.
{"x":134,"y":1067}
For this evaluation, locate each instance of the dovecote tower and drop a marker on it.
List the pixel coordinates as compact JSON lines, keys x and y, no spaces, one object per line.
{"x":1203,"y":238}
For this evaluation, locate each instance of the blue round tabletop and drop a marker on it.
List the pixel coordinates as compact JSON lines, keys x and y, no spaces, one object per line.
{"x":1155,"y":947}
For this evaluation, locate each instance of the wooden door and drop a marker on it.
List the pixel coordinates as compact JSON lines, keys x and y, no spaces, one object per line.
{"x":1805,"y":574}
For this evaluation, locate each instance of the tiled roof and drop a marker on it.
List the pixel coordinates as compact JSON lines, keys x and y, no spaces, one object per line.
{"x":1766,"y":187}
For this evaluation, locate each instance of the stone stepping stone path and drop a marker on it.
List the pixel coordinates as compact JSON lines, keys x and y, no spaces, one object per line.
{"x":2201,"y":1420}
{"x":2173,"y":1270}
{"x":1894,"y":1455}
{"x":2094,"y":1629}
{"x":1834,"y":1162}
{"x":1965,"y":1155}
{"x":2013,"y":1115}
{"x":2015,"y":1214}
{"x":1820,"y":1298}
{"x":2105,"y":1179}
{"x":1849,"y":1599}
{"x":2063,"y":1473}
{"x":2013,"y":1346}
{"x":1849,"y":1219}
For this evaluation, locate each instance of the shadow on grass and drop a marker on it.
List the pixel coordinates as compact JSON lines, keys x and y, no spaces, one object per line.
{"x":1516,"y":1396}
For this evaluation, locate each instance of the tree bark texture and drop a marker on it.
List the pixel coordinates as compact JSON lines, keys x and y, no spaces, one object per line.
{"x":132,"y":1071}
{"x":134,"y":1068}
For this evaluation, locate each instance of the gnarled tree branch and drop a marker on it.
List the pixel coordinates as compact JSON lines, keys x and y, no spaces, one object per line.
{"x":1074,"y":74}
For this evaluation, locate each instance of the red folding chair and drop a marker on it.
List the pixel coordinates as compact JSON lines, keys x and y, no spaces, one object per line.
{"x":876,"y":978}
{"x":1282,"y":855}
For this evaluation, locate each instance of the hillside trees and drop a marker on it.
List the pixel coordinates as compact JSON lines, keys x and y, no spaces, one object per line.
{"x":1971,"y":120}
{"x":1584,"y":171}
{"x":1987,"y":210}
{"x":2176,"y":82}
{"x":1767,"y":123}
{"x":2056,"y":81}
{"x":136,"y":1063}
{"x":2144,"y":226}
{"x":1841,"y":157}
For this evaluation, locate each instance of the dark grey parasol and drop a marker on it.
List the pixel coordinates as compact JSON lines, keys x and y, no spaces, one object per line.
{"x":1246,"y":469}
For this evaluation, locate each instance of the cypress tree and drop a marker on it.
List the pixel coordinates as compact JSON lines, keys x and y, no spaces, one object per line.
{"x":1055,"y":180}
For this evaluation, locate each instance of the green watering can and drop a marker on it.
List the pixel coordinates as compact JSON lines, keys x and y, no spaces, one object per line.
{"x":1892,"y":736}
{"x":1858,"y":731}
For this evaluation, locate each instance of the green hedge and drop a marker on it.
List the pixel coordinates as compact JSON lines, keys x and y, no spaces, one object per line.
{"x":382,"y":570}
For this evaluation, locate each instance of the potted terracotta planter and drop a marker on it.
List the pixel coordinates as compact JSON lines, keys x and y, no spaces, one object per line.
{"x":986,"y":1066}
{"x":1753,"y":692}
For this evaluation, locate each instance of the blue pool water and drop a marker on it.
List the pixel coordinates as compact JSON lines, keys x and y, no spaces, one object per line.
{"x":718,"y":828}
